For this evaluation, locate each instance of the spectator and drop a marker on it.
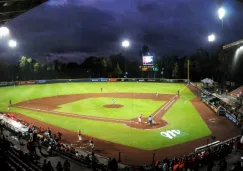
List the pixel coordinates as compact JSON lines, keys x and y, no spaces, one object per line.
{"x":87,"y":159}
{"x":66,"y":166}
{"x":165,"y":166}
{"x":222,"y":165}
{"x":20,"y":138}
{"x":49,"y":132}
{"x":59,"y":166}
{"x":236,"y":167}
{"x":109,"y":164}
{"x":1,"y":127}
{"x":30,"y":133}
{"x":35,"y":135}
{"x":59,"y":136}
{"x":94,"y":162}
{"x":114,"y":165}
{"x":44,"y":166}
{"x":49,"y":166}
{"x":210,"y":165}
{"x":39,"y":144}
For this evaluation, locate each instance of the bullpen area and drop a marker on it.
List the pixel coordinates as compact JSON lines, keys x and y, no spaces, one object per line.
{"x":109,"y":112}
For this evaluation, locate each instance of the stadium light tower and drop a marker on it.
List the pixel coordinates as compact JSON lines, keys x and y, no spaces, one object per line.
{"x":12,"y":43}
{"x":211,"y":38}
{"x":125,"y":44}
{"x":221,"y":14}
{"x":4,"y":31}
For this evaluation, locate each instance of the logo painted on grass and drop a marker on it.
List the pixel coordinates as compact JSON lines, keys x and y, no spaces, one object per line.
{"x":171,"y":133}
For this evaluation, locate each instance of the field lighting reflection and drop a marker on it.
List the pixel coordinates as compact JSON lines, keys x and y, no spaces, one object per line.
{"x":238,"y":53}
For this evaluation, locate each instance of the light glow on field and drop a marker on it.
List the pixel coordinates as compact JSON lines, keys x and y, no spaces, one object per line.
{"x":179,"y":116}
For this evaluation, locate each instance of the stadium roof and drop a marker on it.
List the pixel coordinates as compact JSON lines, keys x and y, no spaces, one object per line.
{"x":234,"y":44}
{"x":9,"y":9}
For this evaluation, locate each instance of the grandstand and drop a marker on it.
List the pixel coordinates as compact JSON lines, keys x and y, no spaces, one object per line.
{"x":235,"y":93}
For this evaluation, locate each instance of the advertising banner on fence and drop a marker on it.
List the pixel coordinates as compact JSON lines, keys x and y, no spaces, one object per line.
{"x":41,"y":81}
{"x":151,"y":80}
{"x":25,"y":82}
{"x":99,"y":79}
{"x":2,"y":84}
{"x":231,"y":118}
{"x":112,"y":80}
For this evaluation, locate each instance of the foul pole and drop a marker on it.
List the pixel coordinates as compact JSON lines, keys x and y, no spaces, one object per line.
{"x":188,"y":70}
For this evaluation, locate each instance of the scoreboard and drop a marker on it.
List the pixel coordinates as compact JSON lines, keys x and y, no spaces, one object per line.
{"x":148,"y":68}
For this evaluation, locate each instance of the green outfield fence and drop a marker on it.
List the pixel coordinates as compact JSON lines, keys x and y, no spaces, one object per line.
{"x":30,"y":82}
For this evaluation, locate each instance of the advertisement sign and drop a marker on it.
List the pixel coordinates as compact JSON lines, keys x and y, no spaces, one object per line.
{"x":103,"y":79}
{"x":151,"y":80}
{"x":41,"y":81}
{"x":80,"y":80}
{"x":231,"y":118}
{"x":99,"y":79}
{"x":95,"y":80}
{"x":2,"y":84}
{"x":25,"y":82}
{"x":141,"y":80}
{"x":112,"y":79}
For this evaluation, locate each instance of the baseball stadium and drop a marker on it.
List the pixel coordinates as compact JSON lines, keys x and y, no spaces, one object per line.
{"x":109,"y":112}
{"x":166,"y":114}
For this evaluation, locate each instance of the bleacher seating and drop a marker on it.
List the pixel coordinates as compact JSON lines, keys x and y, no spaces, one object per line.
{"x":236,"y":91}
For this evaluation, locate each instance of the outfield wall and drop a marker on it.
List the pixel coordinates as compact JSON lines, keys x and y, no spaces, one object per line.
{"x":30,"y":82}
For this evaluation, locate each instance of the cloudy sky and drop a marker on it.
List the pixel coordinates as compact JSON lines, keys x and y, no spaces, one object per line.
{"x":80,"y":28}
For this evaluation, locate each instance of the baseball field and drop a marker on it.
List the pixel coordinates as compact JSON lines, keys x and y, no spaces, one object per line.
{"x":110,"y":116}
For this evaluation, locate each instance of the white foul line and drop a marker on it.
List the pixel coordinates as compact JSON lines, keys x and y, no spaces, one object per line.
{"x":75,"y":115}
{"x":169,"y":101}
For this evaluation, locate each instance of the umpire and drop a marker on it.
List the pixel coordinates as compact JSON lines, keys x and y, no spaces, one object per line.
{"x":150,"y":120}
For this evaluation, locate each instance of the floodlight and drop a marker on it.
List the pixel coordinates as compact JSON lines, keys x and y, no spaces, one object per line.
{"x":12,"y":43}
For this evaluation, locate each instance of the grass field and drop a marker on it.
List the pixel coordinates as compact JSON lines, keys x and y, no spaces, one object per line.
{"x":132,"y":108}
{"x":181,"y":116}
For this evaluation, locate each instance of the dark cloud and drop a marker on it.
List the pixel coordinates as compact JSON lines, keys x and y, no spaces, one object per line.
{"x":98,"y":27}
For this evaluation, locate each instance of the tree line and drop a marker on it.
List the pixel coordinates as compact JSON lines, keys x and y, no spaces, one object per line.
{"x":218,"y":66}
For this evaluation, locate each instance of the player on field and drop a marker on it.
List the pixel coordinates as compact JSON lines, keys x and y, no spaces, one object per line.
{"x":157,"y":94}
{"x":101,"y":89}
{"x":113,"y":102}
{"x":140,"y":119}
{"x":116,"y":89}
{"x":150,"y":120}
{"x":79,"y":136}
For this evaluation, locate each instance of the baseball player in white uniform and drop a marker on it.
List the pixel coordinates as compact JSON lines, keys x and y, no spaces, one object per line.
{"x":113,"y":102}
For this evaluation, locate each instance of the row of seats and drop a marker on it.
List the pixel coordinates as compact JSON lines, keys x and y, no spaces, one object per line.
{"x":237,"y":91}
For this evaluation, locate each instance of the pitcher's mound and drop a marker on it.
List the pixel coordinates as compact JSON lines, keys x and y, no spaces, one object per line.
{"x":113,"y":106}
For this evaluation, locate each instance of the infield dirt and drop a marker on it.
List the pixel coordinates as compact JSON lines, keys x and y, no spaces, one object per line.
{"x":222,"y":128}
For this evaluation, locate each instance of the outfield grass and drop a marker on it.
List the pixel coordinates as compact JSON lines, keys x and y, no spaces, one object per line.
{"x":181,"y":116}
{"x":132,"y":108}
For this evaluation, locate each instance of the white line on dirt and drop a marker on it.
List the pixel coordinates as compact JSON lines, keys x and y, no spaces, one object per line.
{"x":97,"y":118}
{"x":75,"y":115}
{"x":171,"y":103}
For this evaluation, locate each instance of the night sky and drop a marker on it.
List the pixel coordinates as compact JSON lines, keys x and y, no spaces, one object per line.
{"x":80,"y":28}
